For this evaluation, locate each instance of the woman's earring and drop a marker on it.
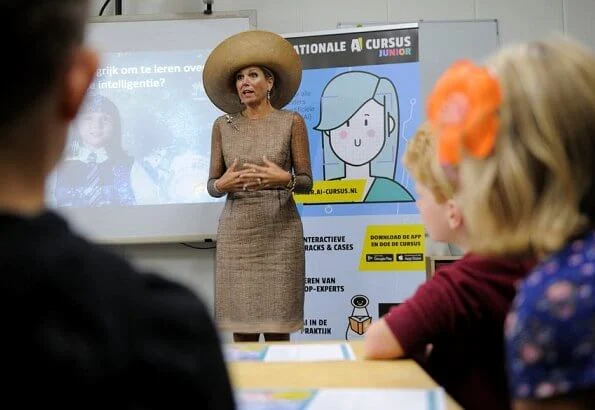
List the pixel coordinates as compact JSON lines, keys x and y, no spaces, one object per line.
{"x":268,"y":94}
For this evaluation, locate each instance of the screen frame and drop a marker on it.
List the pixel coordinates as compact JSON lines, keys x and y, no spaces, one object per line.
{"x":147,"y":224}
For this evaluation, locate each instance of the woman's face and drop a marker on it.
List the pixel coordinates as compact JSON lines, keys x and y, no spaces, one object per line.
{"x":95,"y":128}
{"x":361,"y":138}
{"x":252,"y":85}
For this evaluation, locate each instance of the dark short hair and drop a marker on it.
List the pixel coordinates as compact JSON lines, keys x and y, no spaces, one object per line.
{"x":38,"y":36}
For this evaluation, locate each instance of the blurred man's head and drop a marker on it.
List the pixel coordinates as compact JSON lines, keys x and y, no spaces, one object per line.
{"x":46,"y":73}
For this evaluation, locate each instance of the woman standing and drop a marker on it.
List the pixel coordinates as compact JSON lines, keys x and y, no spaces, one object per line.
{"x":259,"y":156}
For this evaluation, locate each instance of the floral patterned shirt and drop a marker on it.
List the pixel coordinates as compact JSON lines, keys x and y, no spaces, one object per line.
{"x":550,"y":331}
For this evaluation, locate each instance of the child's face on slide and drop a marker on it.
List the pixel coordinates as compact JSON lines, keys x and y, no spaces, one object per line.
{"x":95,"y":128}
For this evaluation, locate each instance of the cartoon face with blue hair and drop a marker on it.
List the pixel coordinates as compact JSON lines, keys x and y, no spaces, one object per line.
{"x":359,"y":121}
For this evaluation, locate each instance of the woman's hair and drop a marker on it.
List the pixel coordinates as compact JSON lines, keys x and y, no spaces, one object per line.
{"x":421,"y":161}
{"x":269,"y":74}
{"x":535,"y":192}
{"x":99,"y":104}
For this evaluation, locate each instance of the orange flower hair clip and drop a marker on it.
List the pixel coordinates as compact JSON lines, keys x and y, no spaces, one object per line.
{"x":462,"y":108}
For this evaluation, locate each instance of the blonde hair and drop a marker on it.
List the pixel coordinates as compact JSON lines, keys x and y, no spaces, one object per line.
{"x":421,"y":161}
{"x":535,"y":192}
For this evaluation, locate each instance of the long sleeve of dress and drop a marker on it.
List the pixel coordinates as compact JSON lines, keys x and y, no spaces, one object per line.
{"x":217,"y":167}
{"x":300,"y":155}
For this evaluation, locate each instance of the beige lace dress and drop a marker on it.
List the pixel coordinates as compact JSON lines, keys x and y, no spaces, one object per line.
{"x":259,"y":271}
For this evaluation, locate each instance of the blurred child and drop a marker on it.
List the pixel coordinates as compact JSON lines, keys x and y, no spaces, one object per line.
{"x":521,"y":133}
{"x":96,"y":170}
{"x":461,"y":310}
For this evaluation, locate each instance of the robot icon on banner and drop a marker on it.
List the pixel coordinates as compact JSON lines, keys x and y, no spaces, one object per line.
{"x":360,"y":319}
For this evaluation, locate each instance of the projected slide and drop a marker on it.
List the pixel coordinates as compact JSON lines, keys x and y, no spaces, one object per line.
{"x":142,"y":137}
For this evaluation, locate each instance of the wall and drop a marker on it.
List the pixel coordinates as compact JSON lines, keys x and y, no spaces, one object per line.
{"x":519,"y":20}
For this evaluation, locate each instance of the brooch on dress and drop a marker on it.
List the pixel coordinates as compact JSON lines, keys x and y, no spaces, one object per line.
{"x":229,"y":119}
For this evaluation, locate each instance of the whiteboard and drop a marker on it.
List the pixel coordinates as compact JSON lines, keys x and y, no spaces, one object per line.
{"x":154,"y":162}
{"x":443,"y":42}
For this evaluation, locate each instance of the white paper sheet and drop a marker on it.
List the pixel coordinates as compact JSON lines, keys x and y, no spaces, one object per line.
{"x":341,"y":399}
{"x":309,"y":352}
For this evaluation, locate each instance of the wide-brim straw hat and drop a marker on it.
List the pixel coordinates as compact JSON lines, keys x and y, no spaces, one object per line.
{"x":251,"y":48}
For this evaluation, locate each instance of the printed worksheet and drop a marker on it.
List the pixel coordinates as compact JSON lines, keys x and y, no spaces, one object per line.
{"x":290,"y":352}
{"x":340,"y":399}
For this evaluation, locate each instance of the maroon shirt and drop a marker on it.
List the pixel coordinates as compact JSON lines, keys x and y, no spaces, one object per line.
{"x":461,"y":311}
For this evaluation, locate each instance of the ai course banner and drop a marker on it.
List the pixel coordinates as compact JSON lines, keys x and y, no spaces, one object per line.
{"x":363,"y":239}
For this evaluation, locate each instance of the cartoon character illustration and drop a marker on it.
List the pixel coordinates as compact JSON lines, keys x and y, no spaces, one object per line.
{"x":360,"y":319}
{"x":359,"y":121}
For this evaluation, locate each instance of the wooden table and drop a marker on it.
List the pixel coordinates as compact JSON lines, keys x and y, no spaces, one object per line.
{"x":359,"y":373}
